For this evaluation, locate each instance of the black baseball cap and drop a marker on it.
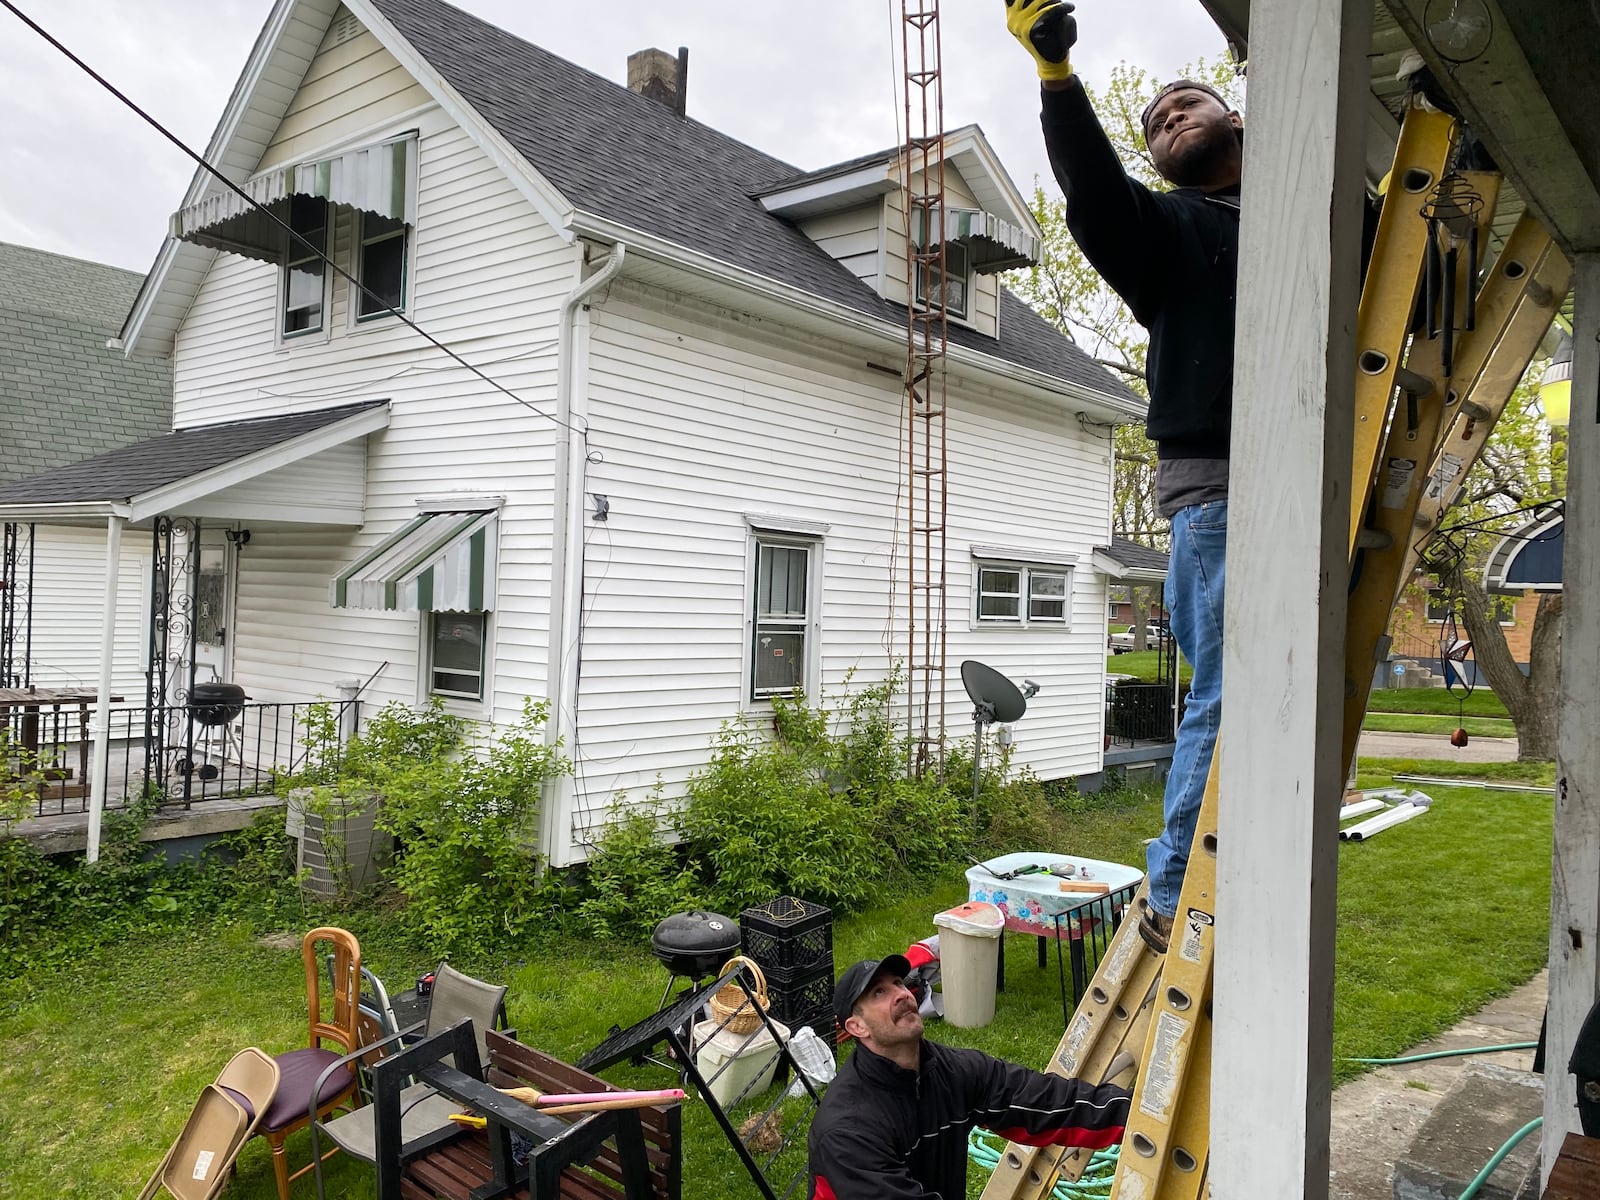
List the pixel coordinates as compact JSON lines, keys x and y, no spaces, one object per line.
{"x":856,"y":979}
{"x":1180,"y":85}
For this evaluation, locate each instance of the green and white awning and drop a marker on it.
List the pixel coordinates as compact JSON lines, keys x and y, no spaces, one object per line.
{"x":375,"y":179}
{"x":994,"y":244}
{"x":439,"y":562}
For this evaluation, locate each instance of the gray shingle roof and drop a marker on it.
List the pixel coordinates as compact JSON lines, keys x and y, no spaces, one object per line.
{"x":120,"y":475}
{"x":634,"y":161}
{"x":1133,"y":556}
{"x":63,"y":394}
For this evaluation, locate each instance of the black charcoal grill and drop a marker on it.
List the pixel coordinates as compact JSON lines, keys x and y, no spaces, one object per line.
{"x":694,"y":945}
{"x":214,"y":704}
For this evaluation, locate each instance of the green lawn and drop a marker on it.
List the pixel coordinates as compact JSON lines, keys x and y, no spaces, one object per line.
{"x":104,"y":1059}
{"x":1436,"y":701}
{"x":1143,"y":664}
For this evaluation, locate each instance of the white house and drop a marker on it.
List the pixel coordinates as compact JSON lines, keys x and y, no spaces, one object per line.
{"x":658,"y":473}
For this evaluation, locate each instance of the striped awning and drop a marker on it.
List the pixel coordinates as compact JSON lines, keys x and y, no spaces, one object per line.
{"x":374,"y":179}
{"x":439,"y":562}
{"x":994,"y":244}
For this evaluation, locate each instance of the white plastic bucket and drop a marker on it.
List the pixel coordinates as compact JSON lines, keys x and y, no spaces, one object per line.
{"x":747,"y":1057}
{"x":969,"y":956}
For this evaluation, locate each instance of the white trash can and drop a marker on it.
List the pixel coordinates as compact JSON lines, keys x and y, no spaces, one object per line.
{"x":969,"y":956}
{"x":750,"y":1059}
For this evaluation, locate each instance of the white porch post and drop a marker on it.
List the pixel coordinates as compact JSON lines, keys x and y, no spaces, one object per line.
{"x":1283,"y":666}
{"x":102,"y":703}
{"x":1575,"y":874}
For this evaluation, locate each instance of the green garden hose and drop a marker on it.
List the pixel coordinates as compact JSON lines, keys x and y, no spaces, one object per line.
{"x":1499,"y":1157}
{"x":1093,"y":1184}
{"x":1416,"y":1058}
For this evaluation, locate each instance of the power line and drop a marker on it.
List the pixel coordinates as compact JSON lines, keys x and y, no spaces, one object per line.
{"x":279,"y":221}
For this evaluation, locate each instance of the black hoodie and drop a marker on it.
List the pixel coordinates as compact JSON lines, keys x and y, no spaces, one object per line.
{"x":887,"y":1133}
{"x":1173,"y":257}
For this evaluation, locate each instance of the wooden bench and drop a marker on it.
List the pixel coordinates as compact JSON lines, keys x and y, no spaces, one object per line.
{"x":596,"y":1156}
{"x":1576,"y":1175}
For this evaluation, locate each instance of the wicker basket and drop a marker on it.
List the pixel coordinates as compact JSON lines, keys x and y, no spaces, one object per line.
{"x":730,"y":1005}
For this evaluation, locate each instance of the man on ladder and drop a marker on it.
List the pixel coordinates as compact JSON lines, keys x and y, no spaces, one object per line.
{"x":1173,"y":257}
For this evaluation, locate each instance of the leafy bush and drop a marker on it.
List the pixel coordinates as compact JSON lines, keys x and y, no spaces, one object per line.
{"x":465,"y":825}
{"x":824,"y":813}
{"x":634,"y":877}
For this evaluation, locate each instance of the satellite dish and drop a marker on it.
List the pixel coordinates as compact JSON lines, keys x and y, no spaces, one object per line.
{"x":992,"y":694}
{"x":994,"y":698}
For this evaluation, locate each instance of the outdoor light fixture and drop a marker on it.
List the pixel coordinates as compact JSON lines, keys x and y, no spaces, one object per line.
{"x":1459,"y":30}
{"x":1555,"y":388}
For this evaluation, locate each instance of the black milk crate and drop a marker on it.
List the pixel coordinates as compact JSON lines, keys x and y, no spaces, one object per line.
{"x":801,"y":1000}
{"x":792,"y":939}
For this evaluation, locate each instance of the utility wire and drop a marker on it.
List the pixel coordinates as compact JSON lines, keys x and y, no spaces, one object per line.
{"x":277,"y":220}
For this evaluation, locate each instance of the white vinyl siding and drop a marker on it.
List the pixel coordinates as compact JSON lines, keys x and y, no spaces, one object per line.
{"x":69,"y":572}
{"x":853,"y":237}
{"x":349,"y":88}
{"x":984,"y":303}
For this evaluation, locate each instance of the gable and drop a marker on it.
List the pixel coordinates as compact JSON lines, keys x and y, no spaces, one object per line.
{"x":353,"y":85}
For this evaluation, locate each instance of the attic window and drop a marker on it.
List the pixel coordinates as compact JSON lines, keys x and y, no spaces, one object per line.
{"x":955,"y":281}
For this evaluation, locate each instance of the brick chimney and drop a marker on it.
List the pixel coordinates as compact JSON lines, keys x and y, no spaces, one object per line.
{"x":664,"y":79}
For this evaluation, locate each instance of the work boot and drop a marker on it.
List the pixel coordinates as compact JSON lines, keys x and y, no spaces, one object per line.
{"x":1156,"y":929}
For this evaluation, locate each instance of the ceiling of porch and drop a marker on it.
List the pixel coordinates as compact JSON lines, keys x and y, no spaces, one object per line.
{"x":1521,"y":88}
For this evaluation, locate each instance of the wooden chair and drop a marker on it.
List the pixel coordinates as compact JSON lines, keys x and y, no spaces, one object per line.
{"x":300,"y":1070}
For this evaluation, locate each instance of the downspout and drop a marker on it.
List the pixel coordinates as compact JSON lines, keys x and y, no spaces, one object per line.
{"x":566,"y":550}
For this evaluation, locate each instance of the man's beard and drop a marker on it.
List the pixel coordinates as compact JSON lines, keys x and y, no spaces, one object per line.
{"x":1192,"y":161}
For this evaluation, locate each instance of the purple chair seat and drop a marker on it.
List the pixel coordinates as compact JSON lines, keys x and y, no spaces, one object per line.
{"x":298,"y":1070}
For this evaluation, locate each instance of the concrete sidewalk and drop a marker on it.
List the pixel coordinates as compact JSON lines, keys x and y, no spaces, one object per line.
{"x":1376,"y":1117}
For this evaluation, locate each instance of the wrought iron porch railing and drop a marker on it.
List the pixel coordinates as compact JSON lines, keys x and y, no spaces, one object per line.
{"x":166,"y":749}
{"x":1139,"y":712}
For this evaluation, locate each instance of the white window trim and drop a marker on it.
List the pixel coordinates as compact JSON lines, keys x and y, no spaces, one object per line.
{"x":969,"y":318}
{"x":463,"y":706}
{"x":1026,"y":568}
{"x":779,"y":523}
{"x":816,"y":566}
{"x":1427,"y":604}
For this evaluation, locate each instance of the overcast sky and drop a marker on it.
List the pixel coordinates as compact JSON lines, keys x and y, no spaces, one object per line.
{"x":812,"y":83}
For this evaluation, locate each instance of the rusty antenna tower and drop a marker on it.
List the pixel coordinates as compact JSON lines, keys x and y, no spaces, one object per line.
{"x":922,"y":177}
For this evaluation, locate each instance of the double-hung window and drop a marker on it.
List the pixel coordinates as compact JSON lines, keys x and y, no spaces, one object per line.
{"x":381,"y":266}
{"x":1021,"y":594}
{"x":456,"y":643}
{"x":305,"y":270}
{"x":955,"y":281}
{"x":780,"y":619}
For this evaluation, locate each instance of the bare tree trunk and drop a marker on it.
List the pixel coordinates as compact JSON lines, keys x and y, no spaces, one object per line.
{"x":1141,"y":614}
{"x":1530,"y":698}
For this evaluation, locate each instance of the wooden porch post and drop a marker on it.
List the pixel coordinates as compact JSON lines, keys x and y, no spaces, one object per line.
{"x":102,"y":704}
{"x":1575,"y":874}
{"x":1283,"y":667}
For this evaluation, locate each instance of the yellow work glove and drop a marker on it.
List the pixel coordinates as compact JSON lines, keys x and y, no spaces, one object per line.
{"x":1047,"y":29}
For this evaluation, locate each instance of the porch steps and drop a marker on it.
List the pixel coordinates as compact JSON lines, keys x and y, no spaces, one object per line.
{"x":1482,"y":1109}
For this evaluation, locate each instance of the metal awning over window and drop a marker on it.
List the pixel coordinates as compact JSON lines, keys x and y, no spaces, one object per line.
{"x":375,"y":179}
{"x":995,"y":245}
{"x":440,"y":562}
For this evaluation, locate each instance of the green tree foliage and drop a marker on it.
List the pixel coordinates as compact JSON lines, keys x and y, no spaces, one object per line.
{"x":1523,"y":467}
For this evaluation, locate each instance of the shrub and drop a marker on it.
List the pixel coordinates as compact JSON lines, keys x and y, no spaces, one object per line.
{"x":634,"y":877}
{"x":465,"y":825}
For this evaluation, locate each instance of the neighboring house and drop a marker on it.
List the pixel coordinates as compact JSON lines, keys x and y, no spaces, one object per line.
{"x":67,"y":392}
{"x":682,"y":492}
{"x":1523,"y":565}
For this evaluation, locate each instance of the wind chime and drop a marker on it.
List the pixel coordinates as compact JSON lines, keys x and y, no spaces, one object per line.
{"x":1454,"y":653}
{"x":1451,"y":262}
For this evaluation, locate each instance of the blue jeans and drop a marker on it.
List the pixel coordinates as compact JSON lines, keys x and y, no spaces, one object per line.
{"x":1194,"y":606}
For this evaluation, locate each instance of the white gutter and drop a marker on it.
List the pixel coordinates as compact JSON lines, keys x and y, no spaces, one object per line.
{"x":990,"y":367}
{"x":101,"y":726}
{"x":1361,"y":808}
{"x":76,"y":512}
{"x":566,"y":558}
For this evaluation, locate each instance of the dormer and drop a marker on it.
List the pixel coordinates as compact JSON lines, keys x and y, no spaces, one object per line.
{"x":856,"y":211}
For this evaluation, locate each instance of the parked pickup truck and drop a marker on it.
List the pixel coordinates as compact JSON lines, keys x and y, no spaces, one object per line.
{"x":1154,"y":636}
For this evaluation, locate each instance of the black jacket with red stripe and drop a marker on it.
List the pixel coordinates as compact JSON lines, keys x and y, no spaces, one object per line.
{"x":886,"y":1133}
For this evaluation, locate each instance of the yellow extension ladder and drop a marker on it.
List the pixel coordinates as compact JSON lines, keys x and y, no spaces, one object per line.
{"x":1151,"y":1013}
